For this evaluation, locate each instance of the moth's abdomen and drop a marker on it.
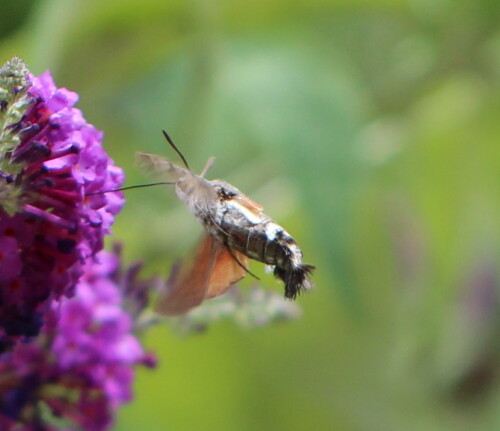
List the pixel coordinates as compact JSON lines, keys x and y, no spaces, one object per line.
{"x":296,"y":279}
{"x":277,"y":247}
{"x":266,"y":242}
{"x":269,"y":243}
{"x":241,"y":225}
{"x":282,"y":251}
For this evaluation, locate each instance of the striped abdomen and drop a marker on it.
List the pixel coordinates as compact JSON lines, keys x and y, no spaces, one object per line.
{"x":260,"y":238}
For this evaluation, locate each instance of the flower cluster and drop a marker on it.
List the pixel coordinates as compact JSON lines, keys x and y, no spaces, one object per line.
{"x":51,"y":163}
{"x":67,"y":348}
{"x":81,"y":366}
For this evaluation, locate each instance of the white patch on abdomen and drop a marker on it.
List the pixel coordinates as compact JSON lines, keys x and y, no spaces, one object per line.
{"x":296,"y":257}
{"x":272,"y":229}
{"x":249,"y":215}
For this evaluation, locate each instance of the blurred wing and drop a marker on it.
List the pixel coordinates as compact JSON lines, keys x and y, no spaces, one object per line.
{"x":196,"y":192}
{"x":211,"y":272}
{"x":153,"y":164}
{"x":188,"y":283}
{"x":226,"y":271}
{"x":249,"y":204}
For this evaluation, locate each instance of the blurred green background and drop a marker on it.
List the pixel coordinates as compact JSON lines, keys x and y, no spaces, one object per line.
{"x":370,"y":130}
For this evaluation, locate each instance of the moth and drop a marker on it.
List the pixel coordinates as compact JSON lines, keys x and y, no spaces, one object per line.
{"x":236,"y":230}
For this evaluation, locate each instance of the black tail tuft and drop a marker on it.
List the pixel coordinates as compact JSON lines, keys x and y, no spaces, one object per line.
{"x":296,"y":279}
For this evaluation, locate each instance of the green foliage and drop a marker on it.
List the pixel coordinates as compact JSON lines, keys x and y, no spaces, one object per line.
{"x":370,"y":130}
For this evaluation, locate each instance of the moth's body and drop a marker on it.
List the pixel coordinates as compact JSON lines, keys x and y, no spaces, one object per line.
{"x":237,"y":228}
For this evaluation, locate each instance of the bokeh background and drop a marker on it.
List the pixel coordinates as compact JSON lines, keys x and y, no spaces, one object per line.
{"x":370,"y":129}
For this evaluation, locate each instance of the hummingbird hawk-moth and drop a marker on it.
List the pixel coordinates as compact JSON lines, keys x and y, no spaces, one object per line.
{"x":236,"y":229}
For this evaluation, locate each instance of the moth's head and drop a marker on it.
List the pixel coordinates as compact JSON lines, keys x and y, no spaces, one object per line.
{"x":225,"y":191}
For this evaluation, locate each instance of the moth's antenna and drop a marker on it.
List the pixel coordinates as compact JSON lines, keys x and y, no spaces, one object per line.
{"x":209,"y":164}
{"x":129,"y":187}
{"x":169,"y":140}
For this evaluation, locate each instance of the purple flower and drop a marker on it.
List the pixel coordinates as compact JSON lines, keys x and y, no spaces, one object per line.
{"x":82,"y":364}
{"x":51,"y":159}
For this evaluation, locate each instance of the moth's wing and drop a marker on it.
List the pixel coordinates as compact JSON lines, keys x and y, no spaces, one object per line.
{"x":156,"y":165}
{"x":238,"y":197}
{"x":188,"y":283}
{"x":199,"y":195}
{"x":196,"y":192}
{"x":249,"y":204}
{"x":226,"y":271}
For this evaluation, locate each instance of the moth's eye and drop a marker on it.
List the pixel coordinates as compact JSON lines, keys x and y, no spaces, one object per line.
{"x":225,"y":194}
